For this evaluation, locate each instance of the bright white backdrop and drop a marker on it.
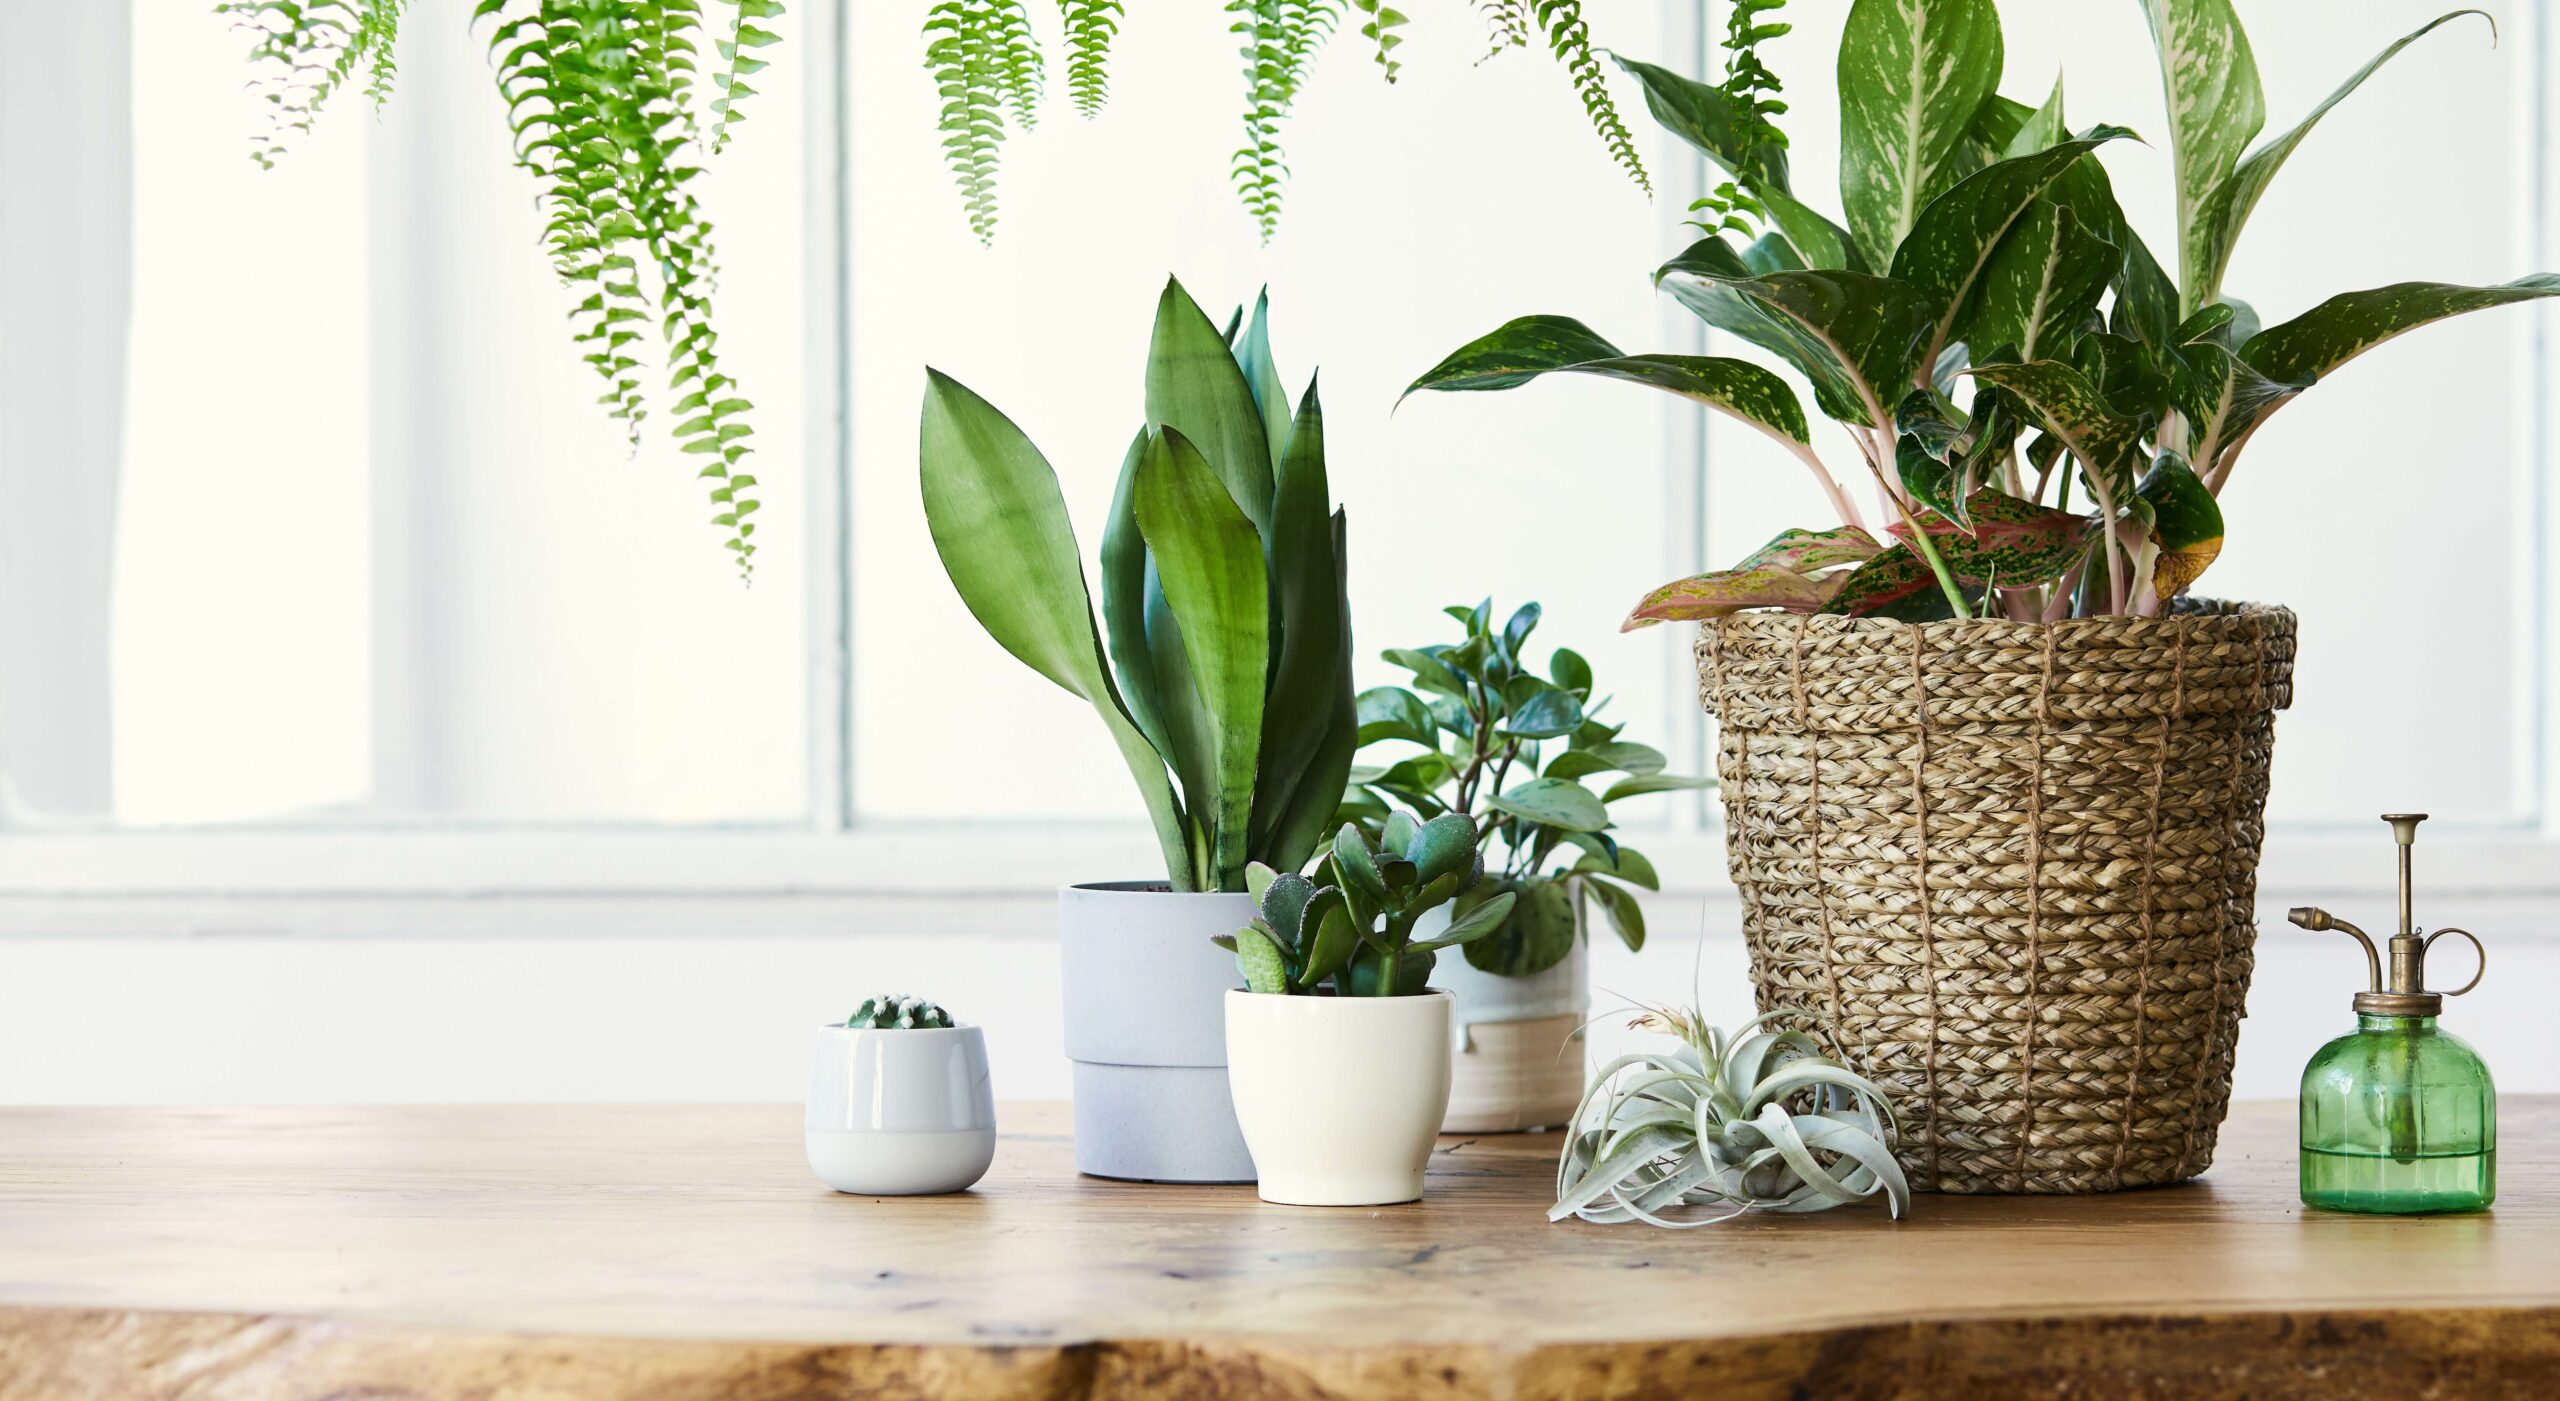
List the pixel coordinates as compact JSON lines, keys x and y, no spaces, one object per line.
{"x":444,"y":761}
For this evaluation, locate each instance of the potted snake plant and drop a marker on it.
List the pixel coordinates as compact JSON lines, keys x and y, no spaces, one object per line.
{"x":1337,"y":1044}
{"x":1534,"y":763}
{"x":1993,"y":777}
{"x":1221,"y":670}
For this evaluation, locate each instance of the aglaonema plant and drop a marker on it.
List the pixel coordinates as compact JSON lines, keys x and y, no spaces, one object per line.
{"x":1223,"y":665}
{"x":1353,"y":935}
{"x":2047,"y":419}
{"x":1514,"y":753}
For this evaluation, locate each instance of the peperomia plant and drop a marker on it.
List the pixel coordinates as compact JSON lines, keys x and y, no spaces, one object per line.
{"x":1356,"y":931}
{"x":607,"y":102}
{"x":1513,"y":753}
{"x":2048,"y":420}
{"x":1227,"y":673}
{"x":895,"y":1012}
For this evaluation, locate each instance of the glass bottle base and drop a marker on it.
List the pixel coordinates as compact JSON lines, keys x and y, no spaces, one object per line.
{"x":2380,"y":1184}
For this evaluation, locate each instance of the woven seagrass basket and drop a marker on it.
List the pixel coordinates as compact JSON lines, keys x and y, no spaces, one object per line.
{"x":2015,"y":864}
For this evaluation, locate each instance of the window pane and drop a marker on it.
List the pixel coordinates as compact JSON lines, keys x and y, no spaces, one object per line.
{"x":380,"y":555}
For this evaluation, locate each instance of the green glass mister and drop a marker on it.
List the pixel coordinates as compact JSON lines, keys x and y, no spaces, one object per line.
{"x":2398,"y":1117}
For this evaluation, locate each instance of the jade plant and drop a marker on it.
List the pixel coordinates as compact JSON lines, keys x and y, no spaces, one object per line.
{"x":1354,"y":934}
{"x":897,"y":1013}
{"x":1223,"y":665}
{"x":1757,"y":1120}
{"x":614,"y":104}
{"x":986,"y":61}
{"x":2047,"y":419}
{"x":1514,"y":753}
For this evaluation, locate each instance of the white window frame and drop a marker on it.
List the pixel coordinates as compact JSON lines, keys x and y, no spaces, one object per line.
{"x":586,"y":876}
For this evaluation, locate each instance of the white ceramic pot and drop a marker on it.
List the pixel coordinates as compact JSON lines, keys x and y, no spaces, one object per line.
{"x":900,"y":1112}
{"x":1517,"y":1055}
{"x":1339,"y":1097}
{"x":1146,"y":1030}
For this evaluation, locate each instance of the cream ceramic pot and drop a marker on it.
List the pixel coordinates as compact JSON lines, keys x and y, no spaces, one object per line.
{"x":900,"y":1112}
{"x":1339,"y":1097}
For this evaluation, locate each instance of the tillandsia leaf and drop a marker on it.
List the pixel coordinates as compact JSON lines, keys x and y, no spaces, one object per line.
{"x":2011,"y":540}
{"x":2042,"y":284}
{"x":1855,"y":335}
{"x":1911,"y":77}
{"x":1714,"y":594}
{"x":1214,"y":574}
{"x":1717,"y":125}
{"x":999,"y":522}
{"x":1090,"y":25}
{"x":2217,"y":223}
{"x":2186,"y":524}
{"x":1520,"y":351}
{"x":1895,"y":584}
{"x":1392,"y":712}
{"x":1954,"y":237}
{"x":2216,"y":108}
{"x":1554,"y":802}
{"x":1195,"y":387}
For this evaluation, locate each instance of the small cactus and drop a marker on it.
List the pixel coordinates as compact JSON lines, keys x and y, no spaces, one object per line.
{"x":897,"y":1013}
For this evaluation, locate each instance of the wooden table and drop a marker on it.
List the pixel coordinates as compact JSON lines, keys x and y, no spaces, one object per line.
{"x":686,"y":1252}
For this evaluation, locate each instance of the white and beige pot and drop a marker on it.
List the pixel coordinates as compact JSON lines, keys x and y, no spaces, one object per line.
{"x":1339,"y":1097}
{"x":1516,"y":1051}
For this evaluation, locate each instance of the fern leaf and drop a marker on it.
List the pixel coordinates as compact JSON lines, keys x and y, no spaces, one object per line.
{"x":1090,"y":27}
{"x":302,"y":54}
{"x":1506,"y":25}
{"x":1570,"y":40}
{"x":1281,"y":38}
{"x":983,"y":56}
{"x":745,"y":33}
{"x":1380,"y":30}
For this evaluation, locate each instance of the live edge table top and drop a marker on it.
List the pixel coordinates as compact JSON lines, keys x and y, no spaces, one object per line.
{"x":530,"y":1251}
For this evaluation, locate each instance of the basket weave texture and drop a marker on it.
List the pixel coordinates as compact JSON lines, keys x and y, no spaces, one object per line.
{"x":2015,"y":864}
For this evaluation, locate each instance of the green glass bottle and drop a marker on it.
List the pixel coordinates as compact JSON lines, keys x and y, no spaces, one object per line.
{"x":2398,"y":1117}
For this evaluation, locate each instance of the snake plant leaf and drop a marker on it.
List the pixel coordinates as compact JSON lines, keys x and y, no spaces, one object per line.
{"x":1297,"y":714}
{"x":1127,"y":583}
{"x":2186,"y":523}
{"x":1444,"y":845}
{"x":1302,"y":827}
{"x":2064,"y":403}
{"x":1259,"y":959}
{"x":2216,"y":108}
{"x":1521,"y":350}
{"x":1392,"y":712}
{"x":1856,"y":336}
{"x":1708,"y":119}
{"x":1195,"y":387}
{"x":1625,"y":915}
{"x":1628,"y":865}
{"x":1210,"y":558}
{"x":2347,"y":325}
{"x":1179,"y":703}
{"x":1951,"y":244}
{"x":1555,"y":802}
{"x":2008,"y":539}
{"x":999,"y":522}
{"x":2218,"y":222}
{"x":1474,"y":924}
{"x":1911,"y":77}
{"x":1536,"y":934}
{"x":1262,"y":378}
{"x":1895,"y":584}
{"x":1714,"y":594}
{"x":2042,"y":284}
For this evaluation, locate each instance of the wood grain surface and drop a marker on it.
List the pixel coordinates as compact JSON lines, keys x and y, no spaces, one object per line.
{"x":529,"y":1251}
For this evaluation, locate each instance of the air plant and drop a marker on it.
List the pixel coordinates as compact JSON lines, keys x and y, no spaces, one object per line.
{"x":2047,"y":419}
{"x":896,"y":1012}
{"x":1761,"y":1120}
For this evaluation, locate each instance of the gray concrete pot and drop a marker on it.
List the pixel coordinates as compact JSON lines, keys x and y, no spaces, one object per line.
{"x":1147,"y":1030}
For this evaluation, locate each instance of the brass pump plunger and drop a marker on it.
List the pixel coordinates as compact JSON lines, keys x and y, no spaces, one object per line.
{"x":2406,"y":995}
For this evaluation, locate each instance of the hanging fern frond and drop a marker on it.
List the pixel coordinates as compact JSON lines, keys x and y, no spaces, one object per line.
{"x":1570,"y":40}
{"x":1506,"y":25}
{"x":301,"y":54}
{"x":982,"y":56}
{"x":592,"y":90}
{"x":1090,"y":27}
{"x":744,"y":34}
{"x":1752,"y":90}
{"x":1280,"y":42}
{"x":1380,"y":30}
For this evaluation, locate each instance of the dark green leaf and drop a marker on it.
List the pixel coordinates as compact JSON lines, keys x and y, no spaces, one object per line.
{"x":1642,"y":784}
{"x":1195,"y":387}
{"x":1391,"y":712}
{"x":1522,"y":350}
{"x":1625,"y":915}
{"x":1553,"y":802}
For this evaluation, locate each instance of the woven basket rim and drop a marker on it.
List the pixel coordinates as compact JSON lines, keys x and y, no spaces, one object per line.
{"x":2201,"y":612}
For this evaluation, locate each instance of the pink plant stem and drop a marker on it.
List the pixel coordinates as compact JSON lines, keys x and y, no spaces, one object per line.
{"x":2059,"y":606}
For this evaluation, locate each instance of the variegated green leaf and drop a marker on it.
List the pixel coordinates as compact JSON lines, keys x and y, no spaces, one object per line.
{"x":1931,"y":480}
{"x":1715,"y":594}
{"x":2042,"y":284}
{"x":1702,"y":279}
{"x":2216,"y":108}
{"x":2221,"y":396}
{"x":1895,"y":584}
{"x":1947,"y":249}
{"x":1805,"y":550}
{"x":1522,"y":350}
{"x":2351,"y":323}
{"x":2186,"y":523}
{"x":2218,"y":223}
{"x":1855,"y":335}
{"x":1912,"y":73}
{"x":2009,"y":540}
{"x":2067,"y":406}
